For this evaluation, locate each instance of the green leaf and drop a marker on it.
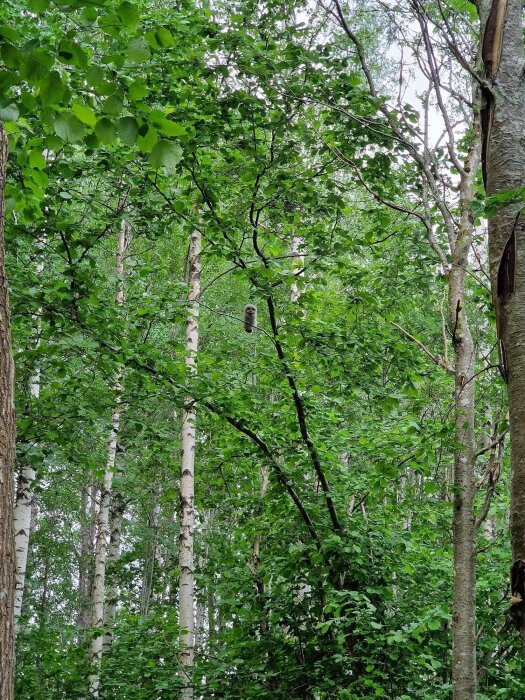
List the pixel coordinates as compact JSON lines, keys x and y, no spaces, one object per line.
{"x":164,"y":38}
{"x":148,"y":140}
{"x":36,"y":160}
{"x":169,"y":128}
{"x":165,"y":155}
{"x":85,"y":114}
{"x":128,"y":14}
{"x":112,"y":105}
{"x":38,"y":5}
{"x":128,"y":130}
{"x":69,"y":127}
{"x":9,"y":113}
{"x":11,"y":56}
{"x":138,"y":90}
{"x":7,"y":80}
{"x":105,"y":130}
{"x":51,"y":89}
{"x":71,"y":54}
{"x":138,"y":50}
{"x":89,"y":15}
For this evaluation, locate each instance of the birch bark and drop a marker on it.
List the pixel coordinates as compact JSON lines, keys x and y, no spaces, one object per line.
{"x":187,"y":482}
{"x":103,"y":530}
{"x":110,"y":608}
{"x":25,"y":491}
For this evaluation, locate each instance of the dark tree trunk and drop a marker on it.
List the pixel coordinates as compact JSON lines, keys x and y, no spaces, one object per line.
{"x":7,"y":460}
{"x":504,"y":170}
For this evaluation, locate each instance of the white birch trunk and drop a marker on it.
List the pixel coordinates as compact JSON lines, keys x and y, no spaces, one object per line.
{"x":25,"y":491}
{"x":297,"y":251}
{"x":110,"y":609}
{"x":103,"y":530}
{"x":187,"y":483}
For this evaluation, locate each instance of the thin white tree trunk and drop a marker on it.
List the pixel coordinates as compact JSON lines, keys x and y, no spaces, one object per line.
{"x":187,"y":483}
{"x":296,"y":250}
{"x":25,"y":491}
{"x":103,"y":530}
{"x":110,"y":608}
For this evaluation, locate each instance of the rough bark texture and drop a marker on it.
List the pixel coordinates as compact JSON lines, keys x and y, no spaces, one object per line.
{"x":464,"y":671}
{"x":110,"y":609}
{"x":7,"y":460}
{"x":85,"y":564}
{"x":103,"y":529}
{"x":150,"y":556}
{"x":187,"y":483}
{"x":504,"y":169}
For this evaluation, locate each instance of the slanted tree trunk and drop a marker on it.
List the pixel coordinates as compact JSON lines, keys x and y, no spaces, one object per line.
{"x":504,"y":169}
{"x":103,"y":530}
{"x":7,"y":460}
{"x":187,"y":482}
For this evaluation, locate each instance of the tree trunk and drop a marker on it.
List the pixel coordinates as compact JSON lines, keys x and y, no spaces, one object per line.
{"x":7,"y":460}
{"x":464,"y":671}
{"x":103,"y":533}
{"x":25,"y":493}
{"x":504,"y":169}
{"x":187,"y":483}
{"x":110,"y":609}
{"x":85,"y":564}
{"x":150,"y":555}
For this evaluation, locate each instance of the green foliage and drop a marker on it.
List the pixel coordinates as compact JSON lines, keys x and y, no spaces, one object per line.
{"x":252,"y":126}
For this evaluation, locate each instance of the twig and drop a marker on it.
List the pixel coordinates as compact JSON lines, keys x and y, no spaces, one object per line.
{"x":435,"y":358}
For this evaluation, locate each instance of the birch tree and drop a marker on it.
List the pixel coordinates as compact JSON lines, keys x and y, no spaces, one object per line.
{"x":25,"y":491}
{"x":187,"y":482}
{"x":103,"y":523}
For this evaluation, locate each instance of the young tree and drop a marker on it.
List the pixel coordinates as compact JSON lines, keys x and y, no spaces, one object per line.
{"x":103,"y":525}
{"x":187,"y":481}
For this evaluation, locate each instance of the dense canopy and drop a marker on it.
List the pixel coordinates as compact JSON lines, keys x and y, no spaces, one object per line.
{"x":262,"y":280}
